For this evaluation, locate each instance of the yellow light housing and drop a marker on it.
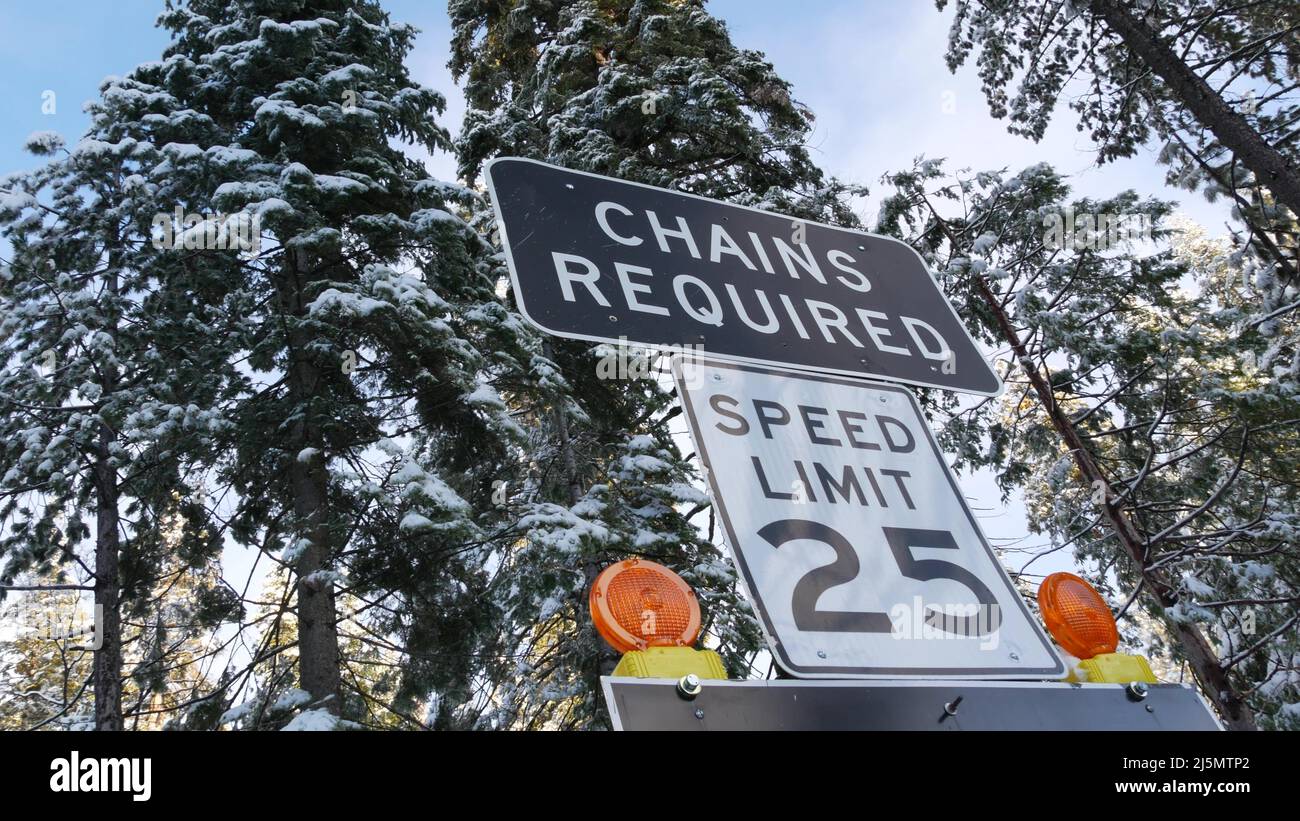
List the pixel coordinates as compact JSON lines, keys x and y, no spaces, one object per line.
{"x":1117,"y":668}
{"x":671,"y":662}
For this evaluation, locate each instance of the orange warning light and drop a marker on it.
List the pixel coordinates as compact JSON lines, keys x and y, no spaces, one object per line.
{"x":1077,"y":616}
{"x":637,"y":604}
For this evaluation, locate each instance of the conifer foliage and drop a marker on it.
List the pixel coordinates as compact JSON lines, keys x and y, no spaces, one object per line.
{"x":326,"y":377}
{"x":1150,"y":428}
{"x":238,"y":318}
{"x":654,"y":92}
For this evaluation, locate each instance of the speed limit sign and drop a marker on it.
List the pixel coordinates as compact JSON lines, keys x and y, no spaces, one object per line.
{"x":852,"y":538}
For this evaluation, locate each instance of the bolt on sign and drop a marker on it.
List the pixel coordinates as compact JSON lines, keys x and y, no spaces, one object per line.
{"x":604,"y":260}
{"x":853,"y":540}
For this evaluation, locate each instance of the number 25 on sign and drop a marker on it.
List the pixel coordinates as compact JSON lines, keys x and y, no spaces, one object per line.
{"x":875,"y":567}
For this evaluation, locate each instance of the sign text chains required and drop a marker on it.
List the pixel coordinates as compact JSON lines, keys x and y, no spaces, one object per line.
{"x":596,"y":258}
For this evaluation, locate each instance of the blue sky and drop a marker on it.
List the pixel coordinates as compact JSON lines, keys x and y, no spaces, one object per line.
{"x":871,"y":70}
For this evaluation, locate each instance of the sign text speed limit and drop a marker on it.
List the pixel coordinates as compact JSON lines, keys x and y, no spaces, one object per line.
{"x":852,"y":537}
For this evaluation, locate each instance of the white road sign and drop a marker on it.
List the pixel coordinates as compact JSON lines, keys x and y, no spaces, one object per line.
{"x":853,"y":539}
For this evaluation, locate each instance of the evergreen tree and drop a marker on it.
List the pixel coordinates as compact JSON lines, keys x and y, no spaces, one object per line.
{"x":1216,"y":81}
{"x":655,"y":92}
{"x":332,"y":365}
{"x":1140,"y":441}
{"x":365,"y":429}
{"x":1215,"y":85}
{"x":104,"y":396}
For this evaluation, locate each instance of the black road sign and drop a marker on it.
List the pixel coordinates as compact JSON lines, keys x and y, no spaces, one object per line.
{"x":654,"y":704}
{"x":605,"y":260}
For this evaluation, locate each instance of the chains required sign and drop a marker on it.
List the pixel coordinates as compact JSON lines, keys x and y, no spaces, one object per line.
{"x":605,"y":260}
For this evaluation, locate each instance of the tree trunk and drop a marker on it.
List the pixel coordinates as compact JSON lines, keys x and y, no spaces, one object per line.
{"x":1272,"y":170}
{"x":318,"y":647}
{"x":107,"y":667}
{"x":1205,"y":664}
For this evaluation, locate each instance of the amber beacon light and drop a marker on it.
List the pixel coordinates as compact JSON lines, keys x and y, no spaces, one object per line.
{"x":637,"y":604}
{"x":1077,"y":616}
{"x":648,"y":613}
{"x":1081,"y":622}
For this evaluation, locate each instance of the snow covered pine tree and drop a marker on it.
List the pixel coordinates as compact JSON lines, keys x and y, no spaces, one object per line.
{"x":1151,"y":431}
{"x":1216,"y":81}
{"x":1217,"y":84}
{"x":655,"y":92}
{"x":105,"y":405}
{"x":349,"y":384}
{"x":377,"y":435}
